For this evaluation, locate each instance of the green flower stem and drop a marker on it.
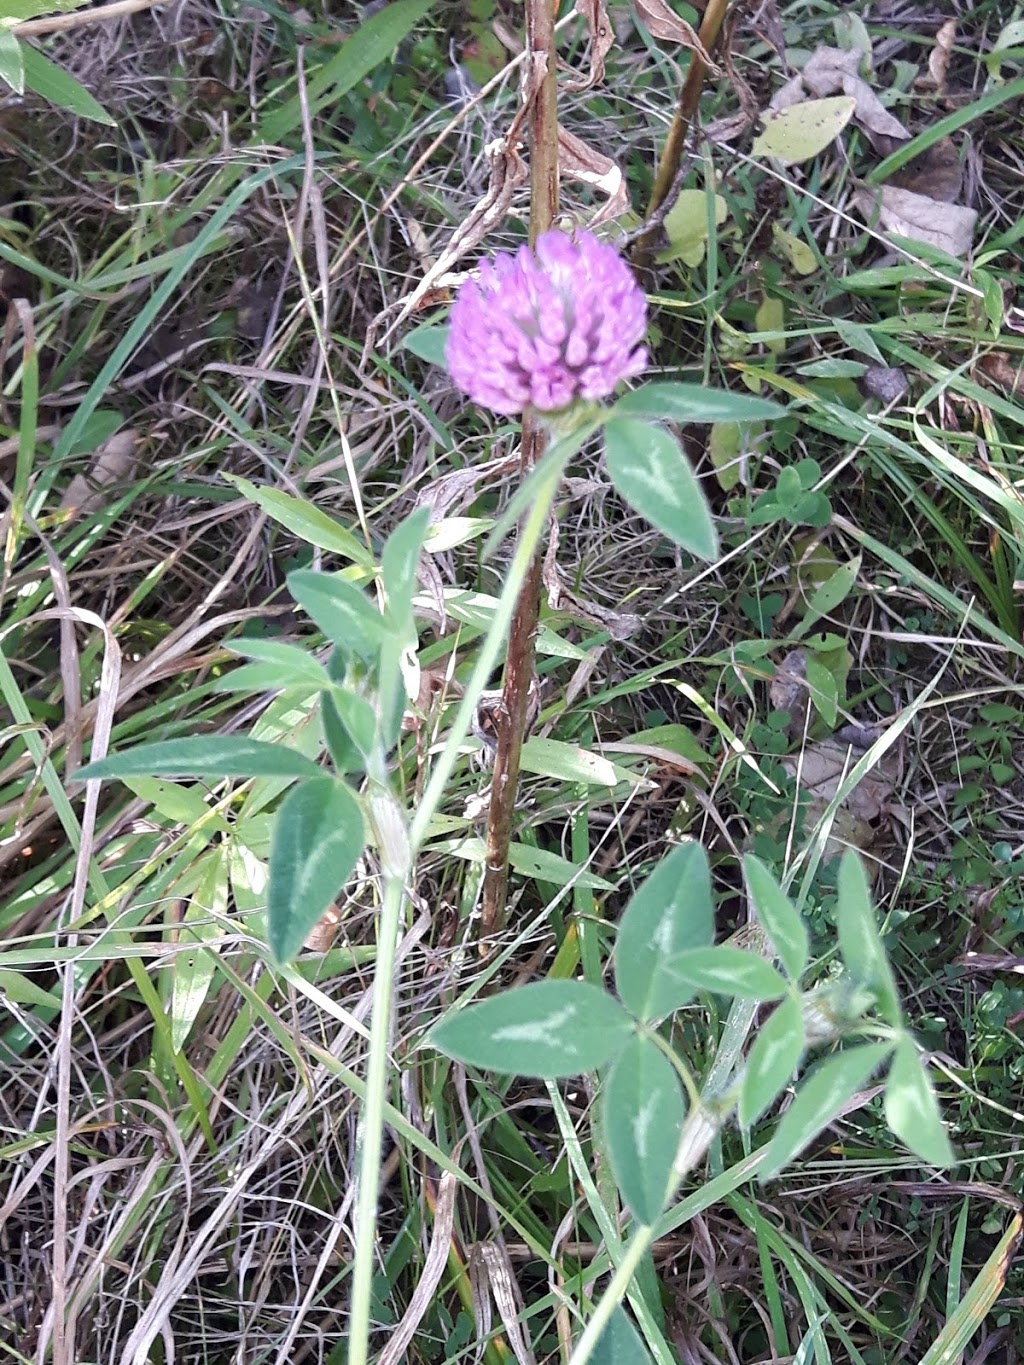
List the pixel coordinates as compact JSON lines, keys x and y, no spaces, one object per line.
{"x":398,"y":848}
{"x":372,"y":1121}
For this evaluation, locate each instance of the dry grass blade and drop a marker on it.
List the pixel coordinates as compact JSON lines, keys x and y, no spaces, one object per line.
{"x":430,"y":1276}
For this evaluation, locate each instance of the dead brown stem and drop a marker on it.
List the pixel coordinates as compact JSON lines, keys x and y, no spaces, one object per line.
{"x":541,"y":88}
{"x":675,"y":143}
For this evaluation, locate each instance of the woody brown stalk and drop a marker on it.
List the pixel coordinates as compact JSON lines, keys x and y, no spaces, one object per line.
{"x":675,"y":143}
{"x":541,"y":90}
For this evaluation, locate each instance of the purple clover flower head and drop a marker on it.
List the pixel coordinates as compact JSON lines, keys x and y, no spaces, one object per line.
{"x":547,"y":327}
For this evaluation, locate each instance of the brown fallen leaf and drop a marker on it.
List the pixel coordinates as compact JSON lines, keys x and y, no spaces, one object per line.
{"x":789,"y":691}
{"x":918,"y":217}
{"x":996,"y":368}
{"x":831,"y":70}
{"x":937,"y":172}
{"x":113,"y":463}
{"x":938,"y":58}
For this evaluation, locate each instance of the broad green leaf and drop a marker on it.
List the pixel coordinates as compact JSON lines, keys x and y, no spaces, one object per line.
{"x":778,"y":916}
{"x":678,"y":739}
{"x":194,"y":963}
{"x":12,"y":68}
{"x":450,"y":532}
{"x":825,"y":1090}
{"x":430,"y":343}
{"x":548,"y":1029}
{"x":650,"y":470}
{"x":727,"y":971}
{"x":859,"y":940}
{"x":803,"y":130}
{"x":262,"y":678}
{"x":357,"y":716}
{"x":318,"y":836}
{"x":476,"y":610}
{"x":56,"y":86}
{"x":22,"y":990}
{"x":217,"y":756}
{"x":373,"y":42}
{"x":399,"y":561}
{"x":19,"y":11}
{"x":310,"y":523}
{"x":672,"y":911}
{"x":346,"y":755}
{"x":620,"y":1343}
{"x":671,"y":402}
{"x":99,"y":427}
{"x":686,"y":226}
{"x":569,"y":763}
{"x":800,"y":255}
{"x":278,"y":666}
{"x":291,"y":657}
{"x":772,"y":1061}
{"x":538,"y":863}
{"x":911,"y":1109}
{"x":183,"y":805}
{"x":643,"y":1108}
{"x":342,"y":611}
{"x":823,"y":691}
{"x":835,"y":589}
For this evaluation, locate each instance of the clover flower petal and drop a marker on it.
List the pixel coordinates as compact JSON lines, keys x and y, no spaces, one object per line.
{"x":547,"y":327}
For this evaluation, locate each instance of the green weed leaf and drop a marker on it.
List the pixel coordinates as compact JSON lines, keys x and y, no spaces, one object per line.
{"x":373,"y":42}
{"x":672,"y":911}
{"x":399,"y":561}
{"x":217,"y":756}
{"x":726,"y":970}
{"x":548,"y":1029}
{"x":649,"y":469}
{"x":318,"y":836}
{"x":911,"y":1109}
{"x":827,"y":1087}
{"x":430,"y":343}
{"x":277,"y":667}
{"x":643,"y":1110}
{"x":342,"y":611}
{"x":778,"y":916}
{"x":803,"y":130}
{"x":859,"y":940}
{"x":58,"y":87}
{"x":12,"y":68}
{"x":620,"y":1343}
{"x":194,"y":964}
{"x":695,"y":403}
{"x":310,"y":523}
{"x":772,"y":1062}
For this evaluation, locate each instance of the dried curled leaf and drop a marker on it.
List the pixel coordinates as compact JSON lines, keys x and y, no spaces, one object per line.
{"x":661,"y":21}
{"x":113,"y":463}
{"x":579,"y":161}
{"x":602,"y":39}
{"x":831,"y":70}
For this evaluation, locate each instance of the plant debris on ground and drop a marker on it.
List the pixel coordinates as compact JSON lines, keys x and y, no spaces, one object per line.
{"x":220,"y":366}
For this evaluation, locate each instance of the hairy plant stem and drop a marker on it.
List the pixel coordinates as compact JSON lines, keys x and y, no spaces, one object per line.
{"x":398,"y":852}
{"x":541,"y":87}
{"x":675,"y":142}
